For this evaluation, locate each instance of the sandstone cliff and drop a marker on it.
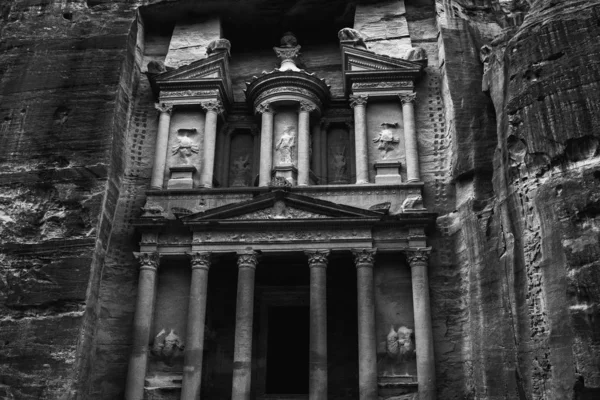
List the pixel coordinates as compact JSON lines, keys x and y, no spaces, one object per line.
{"x":514,"y":277}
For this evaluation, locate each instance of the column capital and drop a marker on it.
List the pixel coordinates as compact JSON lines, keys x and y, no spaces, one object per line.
{"x":358,"y":100}
{"x":264,"y":108}
{"x":199,"y":260}
{"x":418,"y":257}
{"x":317,"y":258}
{"x":164,"y":107}
{"x":364,"y":257}
{"x":247,"y":259}
{"x":146,"y":260}
{"x":307,"y":107}
{"x":212,"y":105}
{"x":407,"y":98}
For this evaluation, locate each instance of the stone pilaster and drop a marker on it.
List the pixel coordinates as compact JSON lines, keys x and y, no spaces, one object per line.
{"x":160,"y":150}
{"x":418,"y":260}
{"x":359,"y":103}
{"x":142,"y":322}
{"x":213,"y":109}
{"x":266,"y":144}
{"x":367,"y":340}
{"x":317,"y":261}
{"x":304,"y":143}
{"x":242,"y":352}
{"x":410,"y":137}
{"x":194,"y":343}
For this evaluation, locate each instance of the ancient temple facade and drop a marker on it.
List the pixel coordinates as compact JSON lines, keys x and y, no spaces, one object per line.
{"x":284,"y":238}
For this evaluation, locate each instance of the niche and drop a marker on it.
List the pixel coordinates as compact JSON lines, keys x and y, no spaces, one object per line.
{"x":241,"y":161}
{"x":339,"y":154}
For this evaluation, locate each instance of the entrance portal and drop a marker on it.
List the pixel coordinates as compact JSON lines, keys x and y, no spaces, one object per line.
{"x":287,"y":350}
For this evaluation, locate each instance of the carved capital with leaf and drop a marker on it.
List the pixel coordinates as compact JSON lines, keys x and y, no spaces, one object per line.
{"x":358,"y":100}
{"x":200,"y":260}
{"x":364,"y":257}
{"x":406,"y":98}
{"x":164,"y":108}
{"x":148,"y":261}
{"x":317,"y":258}
{"x":307,"y":107}
{"x":247,"y":259}
{"x":264,"y":108}
{"x":418,"y":257}
{"x":212,"y":105}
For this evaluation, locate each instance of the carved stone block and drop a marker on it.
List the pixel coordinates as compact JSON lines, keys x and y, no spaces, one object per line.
{"x":388,"y":172}
{"x":182,"y":177}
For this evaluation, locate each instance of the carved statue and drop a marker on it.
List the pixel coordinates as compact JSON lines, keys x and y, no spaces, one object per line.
{"x":352,"y":35}
{"x":286,"y":145}
{"x":339,"y":163}
{"x":386,"y":140}
{"x":185,"y":145}
{"x":288,"y":40}
{"x":400,"y":345}
{"x":167,"y":347}
{"x":240,"y":170}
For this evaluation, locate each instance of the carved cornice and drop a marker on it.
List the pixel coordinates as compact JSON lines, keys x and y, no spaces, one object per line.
{"x":418,"y":257}
{"x":264,"y":108}
{"x":212,"y":105}
{"x":247,"y":259}
{"x":306,"y":106}
{"x":358,"y":100}
{"x":364,"y":257}
{"x":317,"y":258}
{"x":200,"y":260}
{"x":148,"y":261}
{"x":406,"y":98}
{"x":164,"y":108}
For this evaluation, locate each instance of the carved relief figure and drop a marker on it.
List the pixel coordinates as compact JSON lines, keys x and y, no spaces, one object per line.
{"x":241,"y":170}
{"x":286,"y":144}
{"x":400,"y":346}
{"x":386,"y":140}
{"x":185,"y":146}
{"x":167,"y":347}
{"x":338,"y":163}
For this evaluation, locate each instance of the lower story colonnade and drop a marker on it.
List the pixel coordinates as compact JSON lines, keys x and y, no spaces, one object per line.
{"x":248,"y":261}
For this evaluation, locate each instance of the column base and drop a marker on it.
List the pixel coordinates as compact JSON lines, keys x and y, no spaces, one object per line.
{"x":182,"y":177}
{"x":388,"y":172}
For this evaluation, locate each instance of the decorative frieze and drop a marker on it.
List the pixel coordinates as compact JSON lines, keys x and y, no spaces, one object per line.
{"x":170,"y":94}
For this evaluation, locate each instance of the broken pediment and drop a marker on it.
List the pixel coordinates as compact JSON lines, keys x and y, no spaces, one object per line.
{"x":368,"y":72}
{"x":281,"y":205}
{"x":204,"y":79}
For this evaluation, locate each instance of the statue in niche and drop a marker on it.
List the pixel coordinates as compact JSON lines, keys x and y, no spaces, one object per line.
{"x":240,"y":170}
{"x":286,"y":145}
{"x":400,"y":347}
{"x":339,"y":164}
{"x":185,"y":145}
{"x":167,"y":347}
{"x":386,"y":140}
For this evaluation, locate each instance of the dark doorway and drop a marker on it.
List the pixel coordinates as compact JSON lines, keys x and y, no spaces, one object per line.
{"x":287,"y":351}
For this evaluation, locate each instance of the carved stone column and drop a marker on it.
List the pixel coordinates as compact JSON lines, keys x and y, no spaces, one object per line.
{"x":242,"y":353}
{"x":162,"y":139}
{"x":317,"y":387}
{"x":410,"y":137}
{"x":359,"y":103}
{"x":304,"y":143}
{"x":266,"y":144}
{"x":316,"y":154}
{"x":194,"y":343}
{"x":142,"y":322}
{"x":367,"y":340}
{"x":213,"y":109}
{"x":423,"y":331}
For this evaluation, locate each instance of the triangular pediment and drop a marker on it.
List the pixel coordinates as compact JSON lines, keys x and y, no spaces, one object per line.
{"x":208,"y":76}
{"x":365,"y":71}
{"x":281,"y":206}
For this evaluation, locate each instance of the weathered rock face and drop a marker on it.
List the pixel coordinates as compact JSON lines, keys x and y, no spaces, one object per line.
{"x":514,"y":173}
